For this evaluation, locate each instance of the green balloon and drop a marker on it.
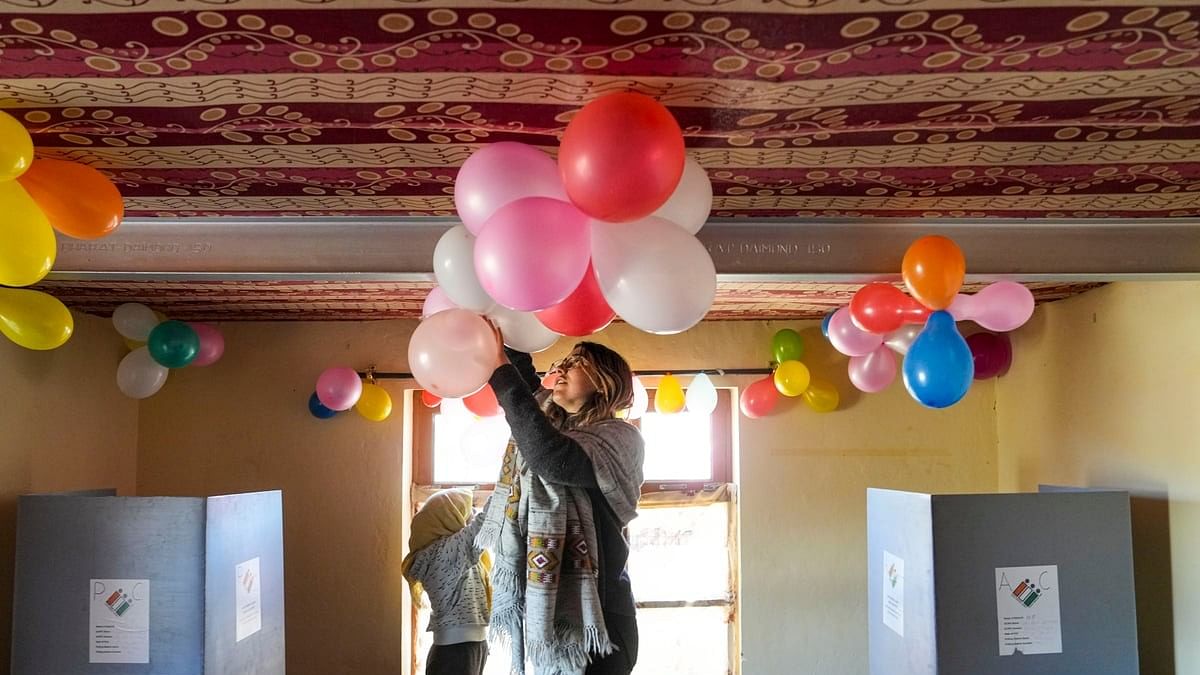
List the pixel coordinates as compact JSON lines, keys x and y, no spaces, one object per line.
{"x":787,"y":345}
{"x":173,"y":344}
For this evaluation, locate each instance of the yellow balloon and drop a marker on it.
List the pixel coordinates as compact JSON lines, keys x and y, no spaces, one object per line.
{"x":27,"y":245}
{"x":16,"y":147}
{"x":821,"y":396}
{"x":670,"y":397}
{"x":161,"y":317}
{"x":34,"y":319}
{"x":792,"y":378}
{"x":375,"y":403}
{"x":132,"y":344}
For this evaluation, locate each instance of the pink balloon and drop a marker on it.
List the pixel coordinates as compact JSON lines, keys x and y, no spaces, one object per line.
{"x":1002,"y":306}
{"x":453,"y":353}
{"x":436,"y":301}
{"x":874,"y":372}
{"x":338,"y":388}
{"x":533,"y":253}
{"x":501,"y":173}
{"x":212,"y":344}
{"x":850,"y":339}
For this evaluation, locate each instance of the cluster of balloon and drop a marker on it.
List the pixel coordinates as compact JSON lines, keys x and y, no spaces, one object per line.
{"x":37,"y":197}
{"x":340,"y":388}
{"x":157,"y":344}
{"x":550,"y":248}
{"x":791,"y":378}
{"x":939,"y":364}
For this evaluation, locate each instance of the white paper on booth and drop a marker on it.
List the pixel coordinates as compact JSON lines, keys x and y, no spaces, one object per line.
{"x":119,"y":620}
{"x":1027,"y":610}
{"x":893,"y":593}
{"x":249,"y":597}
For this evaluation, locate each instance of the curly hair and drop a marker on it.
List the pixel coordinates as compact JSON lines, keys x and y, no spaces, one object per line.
{"x":613,"y":379}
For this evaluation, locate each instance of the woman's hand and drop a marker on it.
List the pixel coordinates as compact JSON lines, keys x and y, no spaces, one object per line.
{"x":501,"y":357}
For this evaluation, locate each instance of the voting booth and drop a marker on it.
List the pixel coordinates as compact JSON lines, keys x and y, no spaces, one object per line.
{"x":160,"y":585}
{"x":1000,"y":584}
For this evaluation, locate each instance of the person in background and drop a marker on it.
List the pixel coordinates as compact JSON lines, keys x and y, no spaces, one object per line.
{"x":444,"y":562}
{"x":569,"y":484}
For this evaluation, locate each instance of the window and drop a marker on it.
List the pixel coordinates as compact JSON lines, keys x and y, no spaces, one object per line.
{"x":683,"y":545}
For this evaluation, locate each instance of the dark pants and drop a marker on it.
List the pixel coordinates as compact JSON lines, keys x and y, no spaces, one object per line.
{"x":464,"y":658}
{"x":623,"y":632}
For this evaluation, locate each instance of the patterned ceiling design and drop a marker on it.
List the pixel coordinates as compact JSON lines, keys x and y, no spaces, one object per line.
{"x":343,"y":300}
{"x":972,"y":108}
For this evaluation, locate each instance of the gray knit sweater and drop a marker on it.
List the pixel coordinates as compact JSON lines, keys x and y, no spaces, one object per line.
{"x":448,"y":570}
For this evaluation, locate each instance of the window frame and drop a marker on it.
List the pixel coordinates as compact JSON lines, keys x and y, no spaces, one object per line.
{"x":722,"y":448}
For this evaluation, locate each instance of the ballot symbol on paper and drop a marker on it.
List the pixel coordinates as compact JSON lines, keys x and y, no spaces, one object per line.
{"x":119,"y":602}
{"x":1026,"y":593}
{"x":248,"y":579}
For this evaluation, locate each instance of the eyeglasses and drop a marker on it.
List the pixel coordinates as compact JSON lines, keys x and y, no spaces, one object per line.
{"x":580,"y":360}
{"x":570,"y":361}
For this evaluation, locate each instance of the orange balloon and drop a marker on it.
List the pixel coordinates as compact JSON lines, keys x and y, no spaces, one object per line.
{"x":78,"y":200}
{"x":933,"y":270}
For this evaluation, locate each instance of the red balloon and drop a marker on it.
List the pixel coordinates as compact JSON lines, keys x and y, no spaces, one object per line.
{"x":759,"y":399}
{"x":621,"y":157}
{"x":430,"y":399}
{"x":992,"y":353}
{"x":483,"y":402}
{"x":585,"y":311}
{"x":882,"y":308}
{"x":549,"y":379}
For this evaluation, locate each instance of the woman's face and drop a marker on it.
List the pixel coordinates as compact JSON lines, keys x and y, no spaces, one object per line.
{"x":572,"y":386}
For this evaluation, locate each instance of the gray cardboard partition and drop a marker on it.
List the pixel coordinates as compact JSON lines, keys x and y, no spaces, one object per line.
{"x":1083,"y":534}
{"x":901,"y":524}
{"x":242,"y":528}
{"x":65,"y":541}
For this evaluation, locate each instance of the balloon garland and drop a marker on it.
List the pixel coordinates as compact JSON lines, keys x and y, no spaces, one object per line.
{"x":939,"y":364}
{"x":158,"y":345}
{"x":789,"y":377}
{"x":37,"y":197}
{"x":550,"y":248}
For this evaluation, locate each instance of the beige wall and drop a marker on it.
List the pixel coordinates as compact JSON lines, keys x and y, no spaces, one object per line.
{"x":1105,"y":391}
{"x":63,"y":426}
{"x":242,"y":425}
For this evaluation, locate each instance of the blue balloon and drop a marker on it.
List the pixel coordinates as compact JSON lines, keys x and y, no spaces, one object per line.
{"x":318,"y":409}
{"x":825,"y":323}
{"x":938,"y":368}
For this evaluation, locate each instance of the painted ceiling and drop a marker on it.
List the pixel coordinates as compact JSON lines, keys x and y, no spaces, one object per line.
{"x":797,"y":108}
{"x":347,"y":300}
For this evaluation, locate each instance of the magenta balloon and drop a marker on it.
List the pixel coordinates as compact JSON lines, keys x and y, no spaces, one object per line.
{"x":212,"y":344}
{"x":501,"y":173}
{"x":850,"y":339}
{"x":1002,"y":306}
{"x":533,"y":253}
{"x":992,"y":353}
{"x":874,"y":372}
{"x":338,"y":388}
{"x":436,"y":301}
{"x":453,"y":353}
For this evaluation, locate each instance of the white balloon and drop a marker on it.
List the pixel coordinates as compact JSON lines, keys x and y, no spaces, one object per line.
{"x":139,"y":375}
{"x":689,"y":206}
{"x":454,"y":267}
{"x":902,"y":338}
{"x":134,"y":321}
{"x":522,"y":331}
{"x":641,"y":400}
{"x":656,"y":276}
{"x":701,"y":395}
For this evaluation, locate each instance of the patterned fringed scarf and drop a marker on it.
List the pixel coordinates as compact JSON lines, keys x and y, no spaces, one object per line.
{"x":546,"y":603}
